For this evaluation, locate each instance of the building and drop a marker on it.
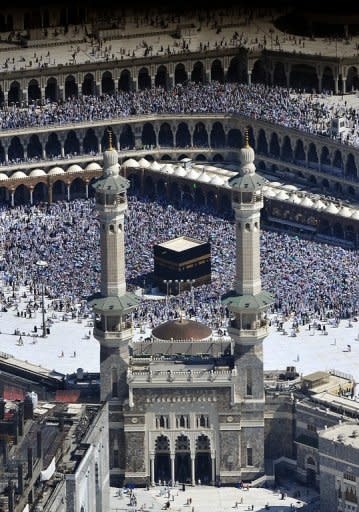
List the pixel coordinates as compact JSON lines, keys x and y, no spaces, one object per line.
{"x":339,"y":471}
{"x":181,"y":263}
{"x":54,"y":456}
{"x":190,"y":405}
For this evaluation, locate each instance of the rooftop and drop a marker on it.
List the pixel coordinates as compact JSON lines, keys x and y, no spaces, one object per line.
{"x":182,"y":243}
{"x":345,"y":433}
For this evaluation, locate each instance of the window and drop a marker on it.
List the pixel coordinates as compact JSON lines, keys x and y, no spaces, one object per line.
{"x":112,"y":228}
{"x":162,"y":421}
{"x":182,"y":421}
{"x":114,"y":383}
{"x":248,"y":227}
{"x":203,"y":421}
{"x":249,"y":382}
{"x":249,"y":456}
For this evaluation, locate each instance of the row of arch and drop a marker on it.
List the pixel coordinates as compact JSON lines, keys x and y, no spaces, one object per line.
{"x":181,"y":193}
{"x":184,"y":136}
{"x":304,"y":76}
{"x":187,"y":467}
{"x":300,"y":76}
{"x":127,"y":81}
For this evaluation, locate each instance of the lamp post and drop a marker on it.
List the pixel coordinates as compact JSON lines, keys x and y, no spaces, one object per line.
{"x":41,"y":264}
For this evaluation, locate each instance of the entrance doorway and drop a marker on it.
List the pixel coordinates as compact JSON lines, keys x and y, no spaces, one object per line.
{"x":183,"y":473}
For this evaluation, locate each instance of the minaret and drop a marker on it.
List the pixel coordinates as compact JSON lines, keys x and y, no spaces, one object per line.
{"x":247,"y":304}
{"x":113,"y":305}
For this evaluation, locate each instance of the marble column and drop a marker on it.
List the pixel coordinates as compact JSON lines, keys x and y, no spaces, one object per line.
{"x":152,"y":459}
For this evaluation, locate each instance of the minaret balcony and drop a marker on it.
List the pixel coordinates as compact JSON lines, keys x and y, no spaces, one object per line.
{"x":251,"y":334}
{"x":122,"y":333}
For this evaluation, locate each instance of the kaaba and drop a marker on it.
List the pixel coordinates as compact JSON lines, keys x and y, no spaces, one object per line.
{"x":181,"y":263}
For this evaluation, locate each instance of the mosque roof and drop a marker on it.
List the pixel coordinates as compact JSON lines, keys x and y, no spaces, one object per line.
{"x":237,"y":302}
{"x":108,"y":305}
{"x":182,"y":329}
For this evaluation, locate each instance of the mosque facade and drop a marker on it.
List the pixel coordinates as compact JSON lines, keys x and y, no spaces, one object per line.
{"x":187,"y":405}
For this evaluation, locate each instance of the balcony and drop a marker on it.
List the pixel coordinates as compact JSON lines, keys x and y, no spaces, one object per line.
{"x":163,"y":377}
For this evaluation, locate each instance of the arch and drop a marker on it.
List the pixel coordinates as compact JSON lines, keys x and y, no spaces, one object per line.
{"x":312,"y":179}
{"x":338,"y":161}
{"x":53,"y":146}
{"x":166,"y":157}
{"x":107,"y":83}
{"x":304,"y":77}
{"x":203,"y":462}
{"x":325,"y":228}
{"x":183,"y":136}
{"x":258,"y":72}
{"x":135,"y":183}
{"x":15,"y":151}
{"x":33,"y":90}
{"x":274,"y":149}
{"x":51,"y":89}
{"x":328,"y":79}
{"x":325,"y":157}
{"x":338,"y":230}
{"x":199,"y":197}
{"x":197,"y":74}
{"x":183,"y":460}
{"x":217,"y":137}
{"x":225,"y":204}
{"x":349,"y":233}
{"x":72,"y":145}
{"x":351,"y":170}
{"x":34,"y":147}
{"x":14,"y":93}
{"x":124,"y":82}
{"x":40,"y":193}
{"x":200,"y":158}
{"x":299,"y":153}
{"x":148,"y":136}
{"x":262,"y":144}
{"x":78,"y":188}
{"x":144,"y":79}
{"x":161,"y":78}
{"x":338,"y":187}
{"x":59,"y":192}
{"x":187,"y":198}
{"x":89,"y":85}
{"x":22,"y":195}
{"x":237,"y":70}
{"x":287,"y":151}
{"x":200,"y":135}
{"x":127,"y":138}
{"x":165,"y":136}
{"x":161,"y":188}
{"x":90,"y":142}
{"x":180,"y":74}
{"x":162,"y":459}
{"x":325,"y":183}
{"x":352,"y":83}
{"x":71,"y":89}
{"x":312,"y":156}
{"x":149,"y":187}
{"x":279,"y":76}
{"x":218,"y":158}
{"x":351,"y":191}
{"x":174,"y":191}
{"x":217,"y":71}
{"x":235,"y":139}
{"x":211,"y":199}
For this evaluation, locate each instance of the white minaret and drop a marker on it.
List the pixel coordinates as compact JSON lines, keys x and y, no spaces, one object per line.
{"x":113,"y":305}
{"x":247,"y":304}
